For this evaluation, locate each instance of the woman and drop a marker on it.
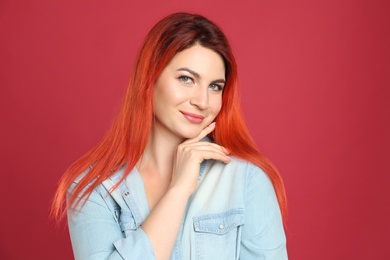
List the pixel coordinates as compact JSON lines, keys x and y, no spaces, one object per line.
{"x":178,"y":175}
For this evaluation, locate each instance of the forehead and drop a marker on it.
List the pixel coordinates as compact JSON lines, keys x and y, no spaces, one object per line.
{"x":206,"y":62}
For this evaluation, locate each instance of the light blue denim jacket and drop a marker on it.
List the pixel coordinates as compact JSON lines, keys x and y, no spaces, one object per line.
{"x":233,"y":214}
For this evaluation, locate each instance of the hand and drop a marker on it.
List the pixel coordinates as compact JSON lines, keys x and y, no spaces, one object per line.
{"x":190,"y":154}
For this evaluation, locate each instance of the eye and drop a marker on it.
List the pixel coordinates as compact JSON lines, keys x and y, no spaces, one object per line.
{"x":216,"y":87}
{"x":186,"y":79}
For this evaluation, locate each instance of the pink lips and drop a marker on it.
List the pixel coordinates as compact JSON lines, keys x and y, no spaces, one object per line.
{"x":193,"y":118}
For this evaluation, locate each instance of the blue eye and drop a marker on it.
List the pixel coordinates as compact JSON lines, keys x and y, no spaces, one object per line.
{"x":185,"y":79}
{"x":216,"y":87}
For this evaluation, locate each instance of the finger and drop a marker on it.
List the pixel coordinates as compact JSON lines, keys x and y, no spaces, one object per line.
{"x":204,"y":146}
{"x":211,"y":155}
{"x":202,"y":134}
{"x":201,"y":152}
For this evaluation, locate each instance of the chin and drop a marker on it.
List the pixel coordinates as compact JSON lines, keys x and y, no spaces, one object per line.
{"x":190,"y":133}
{"x":189,"y":136}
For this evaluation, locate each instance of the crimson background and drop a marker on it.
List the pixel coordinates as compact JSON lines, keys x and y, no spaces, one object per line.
{"x":314,"y":82}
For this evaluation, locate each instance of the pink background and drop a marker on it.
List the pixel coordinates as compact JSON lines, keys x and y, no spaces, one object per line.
{"x":315,"y":88}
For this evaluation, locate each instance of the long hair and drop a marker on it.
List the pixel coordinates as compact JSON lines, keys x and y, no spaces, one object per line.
{"x":126,"y":140}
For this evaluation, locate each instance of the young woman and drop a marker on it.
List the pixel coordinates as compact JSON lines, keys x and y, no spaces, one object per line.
{"x":178,"y":176}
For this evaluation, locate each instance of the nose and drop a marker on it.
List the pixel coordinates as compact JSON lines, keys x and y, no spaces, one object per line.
{"x":200,"y":98}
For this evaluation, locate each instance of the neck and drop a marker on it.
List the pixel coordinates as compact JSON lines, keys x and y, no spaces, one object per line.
{"x":159,"y":154}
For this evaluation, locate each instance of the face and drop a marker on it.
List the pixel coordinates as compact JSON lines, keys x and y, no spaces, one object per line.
{"x":187,"y":95}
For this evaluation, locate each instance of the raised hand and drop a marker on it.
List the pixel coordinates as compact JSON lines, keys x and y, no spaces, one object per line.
{"x":190,"y":154}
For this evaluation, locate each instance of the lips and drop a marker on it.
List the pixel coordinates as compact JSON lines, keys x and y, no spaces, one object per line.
{"x":193,"y":118}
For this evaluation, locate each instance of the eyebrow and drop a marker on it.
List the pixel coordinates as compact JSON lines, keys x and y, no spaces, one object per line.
{"x":197,"y":76}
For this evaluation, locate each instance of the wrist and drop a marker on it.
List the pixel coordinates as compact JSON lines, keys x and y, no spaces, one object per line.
{"x":179,"y":192}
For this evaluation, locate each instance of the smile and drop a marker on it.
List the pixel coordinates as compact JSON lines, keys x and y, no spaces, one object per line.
{"x":193,"y":118}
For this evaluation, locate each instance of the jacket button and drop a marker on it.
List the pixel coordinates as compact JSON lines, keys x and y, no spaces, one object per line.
{"x":221,"y":226}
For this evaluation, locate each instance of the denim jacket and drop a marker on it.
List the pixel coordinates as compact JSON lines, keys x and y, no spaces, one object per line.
{"x":233,"y":214}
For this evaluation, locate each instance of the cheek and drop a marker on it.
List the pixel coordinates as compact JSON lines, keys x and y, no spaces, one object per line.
{"x":170,"y":94}
{"x":216,"y":105}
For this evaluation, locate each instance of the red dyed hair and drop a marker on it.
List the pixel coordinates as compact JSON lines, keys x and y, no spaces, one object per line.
{"x":126,"y":140}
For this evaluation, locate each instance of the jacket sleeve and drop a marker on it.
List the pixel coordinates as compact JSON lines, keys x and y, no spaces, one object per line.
{"x":95,"y":233}
{"x":262,"y":234}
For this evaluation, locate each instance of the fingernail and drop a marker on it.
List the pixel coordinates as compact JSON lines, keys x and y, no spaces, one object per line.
{"x":212,"y":124}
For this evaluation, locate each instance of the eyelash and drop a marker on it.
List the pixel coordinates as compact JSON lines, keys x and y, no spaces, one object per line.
{"x":185,"y":80}
{"x":181,"y":78}
{"x":219,"y":87}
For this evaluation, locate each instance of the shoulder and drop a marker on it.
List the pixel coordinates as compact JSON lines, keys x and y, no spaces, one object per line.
{"x":102,"y":189}
{"x":257,"y":176}
{"x":115,"y":177}
{"x":244,"y":169}
{"x":253,"y":179}
{"x":103,"y":194}
{"x":238,"y":176}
